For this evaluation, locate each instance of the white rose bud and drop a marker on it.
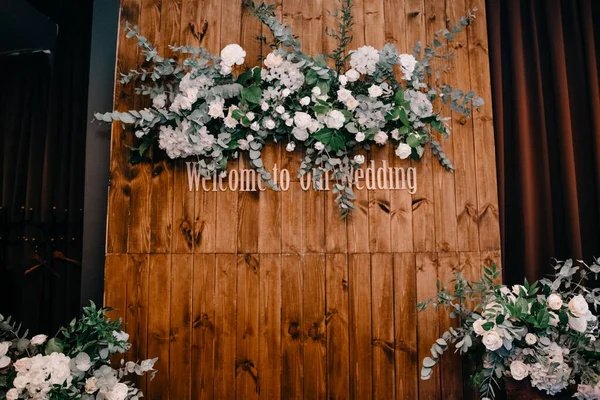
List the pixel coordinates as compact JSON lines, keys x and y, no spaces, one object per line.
{"x":492,"y":340}
{"x":255,"y":127}
{"x":530,"y":339}
{"x":554,"y":301}
{"x":316,"y":91}
{"x":518,"y":370}
{"x":381,"y":137}
{"x":319,"y":146}
{"x":250,"y":116}
{"x":305,"y":101}
{"x":280,"y":109}
{"x":285,"y":92}
{"x":351,"y":104}
{"x":395,"y":134}
{"x":360,"y":136}
{"x":359,"y":159}
{"x":269,"y":123}
{"x":289,"y":122}
{"x":403,"y":151}
{"x":291,"y":146}
{"x":578,"y":306}
{"x":264,"y":106}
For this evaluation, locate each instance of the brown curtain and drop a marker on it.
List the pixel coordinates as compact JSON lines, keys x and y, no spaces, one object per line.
{"x":546,"y":100}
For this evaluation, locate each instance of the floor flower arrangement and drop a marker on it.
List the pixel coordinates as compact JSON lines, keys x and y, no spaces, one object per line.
{"x":75,"y":364}
{"x":331,"y":105}
{"x":544,"y":333}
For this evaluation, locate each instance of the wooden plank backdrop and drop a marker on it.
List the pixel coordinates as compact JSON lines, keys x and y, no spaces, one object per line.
{"x":268,"y":295}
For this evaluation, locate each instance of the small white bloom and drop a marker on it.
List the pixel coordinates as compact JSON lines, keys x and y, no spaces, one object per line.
{"x":12,"y":394}
{"x":314,"y":126}
{"x":285,"y":92}
{"x":264,"y":106}
{"x":300,"y":134}
{"x":478,"y":326}
{"x":268,"y":123}
{"x":305,"y":101}
{"x":232,"y":54}
{"x":255,"y":126}
{"x":403,"y":151}
{"x":578,"y":306}
{"x":159,"y":101}
{"x":351,"y":104}
{"x":289,"y":122}
{"x":243,"y":144}
{"x":375,"y":91}
{"x":492,"y":340}
{"x":250,"y":116}
{"x":215,"y":108}
{"x":316,"y":91}
{"x":319,"y":146}
{"x":381,"y":137}
{"x":291,"y":146}
{"x":364,"y":59}
{"x":334,"y":119}
{"x":344,"y":95}
{"x":518,"y":370}
{"x":554,"y":301}
{"x":285,"y":116}
{"x":249,"y":138}
{"x":280,"y":109}
{"x":273,"y":60}
{"x":343,"y":80}
{"x":359,"y":159}
{"x":90,"y":385}
{"x":352,"y":75}
{"x":395,"y":134}
{"x":530,"y":339}
{"x":4,"y":361}
{"x":407,"y":65}
{"x":360,"y":136}
{"x":230,"y":122}
{"x":38,"y":339}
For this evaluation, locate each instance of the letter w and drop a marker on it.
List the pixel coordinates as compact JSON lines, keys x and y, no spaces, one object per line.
{"x":193,"y":175}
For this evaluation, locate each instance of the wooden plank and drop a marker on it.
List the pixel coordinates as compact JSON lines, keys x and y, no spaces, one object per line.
{"x":427,"y":321}
{"x":358,"y":222}
{"x":361,"y":348}
{"x":159,"y":306}
{"x":184,"y":236}
{"x":292,"y":359}
{"x":115,"y":285}
{"x":137,"y":309}
{"x":247,"y":371}
{"x":443,"y":182}
{"x":462,"y":133}
{"x":248,"y":217}
{"x":269,"y":204}
{"x":269,"y":340}
{"x":205,"y":220}
{"x":379,"y":206}
{"x":199,"y":27}
{"x":405,"y":329}
{"x":382,"y":320}
{"x":336,"y":231}
{"x":225,"y":326}
{"x":336,"y":291}
{"x":291,"y":219}
{"x":451,"y":363}
{"x":313,"y":221}
{"x":180,"y":362}
{"x":119,"y":199}
{"x":203,"y":327}
{"x":423,"y":215}
{"x":313,"y":268}
{"x":483,"y":126}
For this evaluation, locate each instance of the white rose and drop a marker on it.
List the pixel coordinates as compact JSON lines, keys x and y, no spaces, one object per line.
{"x":255,"y":126}
{"x":291,"y":146}
{"x":232,"y":54}
{"x":250,"y":115}
{"x":4,"y":346}
{"x":395,"y":134}
{"x":554,"y":301}
{"x":530,"y":339}
{"x":381,"y":137}
{"x":319,"y":146}
{"x":90,"y":385}
{"x":285,"y":92}
{"x":352,"y":75}
{"x":273,"y":60}
{"x":215,"y":109}
{"x":159,"y":101}
{"x":285,"y":115}
{"x":264,"y":106}
{"x":305,"y":101}
{"x":478,"y":326}
{"x":118,"y":392}
{"x":343,"y":80}
{"x":344,"y":95}
{"x":289,"y":122}
{"x":403,"y":151}
{"x":492,"y":340}
{"x":359,"y":159}
{"x":269,"y":123}
{"x":351,"y":104}
{"x":360,"y":136}
{"x":578,"y":306}
{"x":230,"y":122}
{"x":300,"y":134}
{"x":316,"y":91}
{"x":518,"y":370}
{"x":335,"y":119}
{"x":302,"y":120}
{"x":578,"y":324}
{"x":38,"y":339}
{"x":375,"y":91}
{"x":12,"y":394}
{"x":280,"y":109}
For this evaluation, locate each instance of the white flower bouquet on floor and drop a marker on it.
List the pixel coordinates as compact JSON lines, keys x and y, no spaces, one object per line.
{"x":76,"y":364}
{"x":209,"y":108}
{"x":543,"y":332}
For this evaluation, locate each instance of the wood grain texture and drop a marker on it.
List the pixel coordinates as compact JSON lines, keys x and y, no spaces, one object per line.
{"x":269,"y":295}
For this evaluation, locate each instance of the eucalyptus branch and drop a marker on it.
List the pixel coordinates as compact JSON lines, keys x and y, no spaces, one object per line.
{"x":343,"y":34}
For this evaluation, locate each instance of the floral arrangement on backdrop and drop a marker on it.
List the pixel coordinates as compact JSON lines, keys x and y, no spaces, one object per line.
{"x":543,"y":332}
{"x":76,"y":364}
{"x":207,"y":108}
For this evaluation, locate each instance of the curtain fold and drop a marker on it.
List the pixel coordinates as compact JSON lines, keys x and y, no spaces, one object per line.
{"x":544,"y":72}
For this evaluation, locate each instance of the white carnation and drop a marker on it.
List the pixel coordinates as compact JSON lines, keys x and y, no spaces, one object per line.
{"x":403,"y":151}
{"x":231,"y":55}
{"x":518,"y":370}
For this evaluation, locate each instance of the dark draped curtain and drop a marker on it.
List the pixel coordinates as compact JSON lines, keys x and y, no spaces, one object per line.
{"x":546,"y":101}
{"x":42,"y":146}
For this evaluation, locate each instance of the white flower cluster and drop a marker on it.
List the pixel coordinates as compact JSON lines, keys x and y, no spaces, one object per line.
{"x":551,"y":374}
{"x":364,"y":60}
{"x":287,"y":73}
{"x":179,"y":142}
{"x":37,"y":375}
{"x":588,"y":392}
{"x":231,"y":55}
